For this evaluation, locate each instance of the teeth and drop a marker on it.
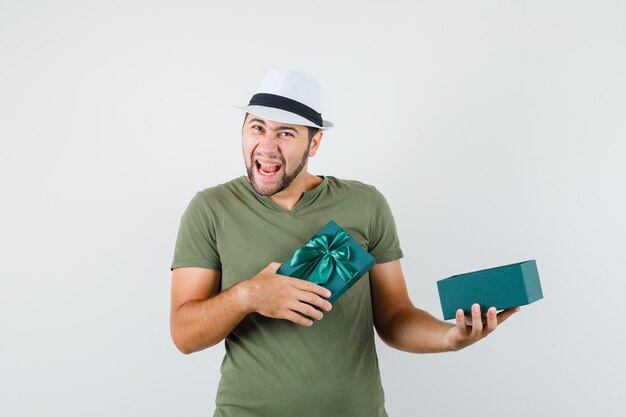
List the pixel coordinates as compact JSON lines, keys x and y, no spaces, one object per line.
{"x":266,"y":164}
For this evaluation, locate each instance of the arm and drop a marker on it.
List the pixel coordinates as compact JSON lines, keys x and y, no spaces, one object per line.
{"x":201,"y":316}
{"x":405,"y":327}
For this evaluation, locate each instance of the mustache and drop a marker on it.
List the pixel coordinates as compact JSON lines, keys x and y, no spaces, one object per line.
{"x":272,"y":156}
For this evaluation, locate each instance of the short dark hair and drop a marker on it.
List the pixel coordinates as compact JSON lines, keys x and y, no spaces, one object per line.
{"x":312,"y":132}
{"x":310,"y":129}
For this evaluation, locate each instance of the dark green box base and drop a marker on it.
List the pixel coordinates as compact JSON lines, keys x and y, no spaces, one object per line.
{"x":501,"y":287}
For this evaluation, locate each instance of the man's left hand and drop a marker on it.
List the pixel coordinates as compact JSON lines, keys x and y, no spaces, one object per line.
{"x":464,"y":334}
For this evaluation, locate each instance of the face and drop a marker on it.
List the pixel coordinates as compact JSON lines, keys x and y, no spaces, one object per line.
{"x":275,"y":153}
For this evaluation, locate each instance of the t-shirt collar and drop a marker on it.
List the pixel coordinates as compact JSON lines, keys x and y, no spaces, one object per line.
{"x":307,"y":197}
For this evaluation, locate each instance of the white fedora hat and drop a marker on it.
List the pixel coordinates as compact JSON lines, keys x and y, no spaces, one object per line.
{"x":290,"y":97}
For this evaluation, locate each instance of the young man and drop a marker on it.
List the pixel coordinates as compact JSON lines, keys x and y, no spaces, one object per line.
{"x":289,"y":352}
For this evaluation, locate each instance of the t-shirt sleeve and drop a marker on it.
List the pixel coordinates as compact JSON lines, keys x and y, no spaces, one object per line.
{"x":384,"y":244}
{"x":196,"y":243}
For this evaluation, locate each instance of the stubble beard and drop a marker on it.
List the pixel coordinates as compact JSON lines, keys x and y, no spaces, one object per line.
{"x":285,"y":181}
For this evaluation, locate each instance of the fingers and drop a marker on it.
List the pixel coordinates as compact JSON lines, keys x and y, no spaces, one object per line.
{"x":307,"y":310}
{"x":315,"y":301}
{"x":474,"y":326}
{"x":301,"y":284}
{"x":469,"y":330}
{"x":477,"y":322}
{"x":460,"y":322}
{"x":492,"y":319}
{"x":310,"y":287}
{"x":298,"y":319}
{"x":311,"y":293}
{"x":483,"y":326}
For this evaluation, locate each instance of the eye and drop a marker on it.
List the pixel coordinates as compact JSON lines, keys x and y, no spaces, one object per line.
{"x":287,"y":133}
{"x":256,"y":127}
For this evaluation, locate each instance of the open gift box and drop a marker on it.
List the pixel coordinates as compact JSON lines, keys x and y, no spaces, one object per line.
{"x":502,"y":287}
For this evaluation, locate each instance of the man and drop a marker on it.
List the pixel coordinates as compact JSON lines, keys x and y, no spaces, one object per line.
{"x":289,"y":352}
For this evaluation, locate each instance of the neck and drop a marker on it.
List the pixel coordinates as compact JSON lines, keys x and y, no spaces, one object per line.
{"x":290,"y":196}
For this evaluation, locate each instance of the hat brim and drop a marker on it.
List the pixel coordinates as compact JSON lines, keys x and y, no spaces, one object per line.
{"x":279,"y":115}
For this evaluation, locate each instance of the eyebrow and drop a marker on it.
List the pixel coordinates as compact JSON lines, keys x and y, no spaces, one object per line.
{"x":278,"y":128}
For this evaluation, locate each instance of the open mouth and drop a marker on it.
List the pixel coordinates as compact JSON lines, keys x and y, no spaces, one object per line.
{"x":267,"y":169}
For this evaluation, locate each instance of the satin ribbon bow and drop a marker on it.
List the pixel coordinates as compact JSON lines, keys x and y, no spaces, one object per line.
{"x":318,"y":258}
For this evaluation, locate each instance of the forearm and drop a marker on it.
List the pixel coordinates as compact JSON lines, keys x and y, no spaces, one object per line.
{"x":415,"y":330}
{"x":199,"y":324}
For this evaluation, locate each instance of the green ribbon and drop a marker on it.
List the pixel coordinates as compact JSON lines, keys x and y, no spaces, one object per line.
{"x":318,"y":258}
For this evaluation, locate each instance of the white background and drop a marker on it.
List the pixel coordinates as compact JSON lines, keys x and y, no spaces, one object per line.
{"x":495,"y":128}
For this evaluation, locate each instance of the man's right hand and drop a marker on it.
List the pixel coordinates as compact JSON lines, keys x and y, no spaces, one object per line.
{"x":202,"y":316}
{"x":283,"y":297}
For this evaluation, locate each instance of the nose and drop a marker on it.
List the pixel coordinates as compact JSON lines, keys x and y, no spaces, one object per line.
{"x":268,"y":145}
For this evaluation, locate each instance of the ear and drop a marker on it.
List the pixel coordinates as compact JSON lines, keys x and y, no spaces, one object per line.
{"x":315,"y":143}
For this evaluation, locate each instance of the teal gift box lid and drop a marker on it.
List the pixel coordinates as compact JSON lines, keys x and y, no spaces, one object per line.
{"x":331,"y":259}
{"x":502,"y":287}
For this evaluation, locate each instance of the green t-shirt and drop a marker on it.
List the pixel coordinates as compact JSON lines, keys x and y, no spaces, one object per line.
{"x":274,"y":367}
